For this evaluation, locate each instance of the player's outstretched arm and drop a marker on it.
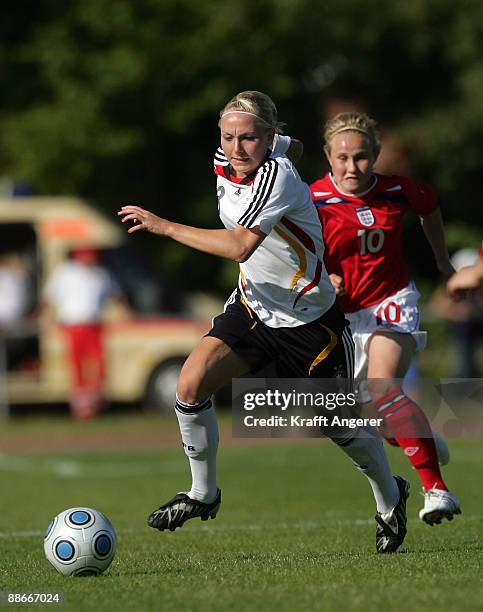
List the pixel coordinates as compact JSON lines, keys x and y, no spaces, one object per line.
{"x":470,"y":277}
{"x":237,"y":244}
{"x":338,"y":284}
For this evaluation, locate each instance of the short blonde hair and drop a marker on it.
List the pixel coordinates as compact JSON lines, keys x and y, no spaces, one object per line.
{"x":353,"y":121}
{"x":258,"y":104}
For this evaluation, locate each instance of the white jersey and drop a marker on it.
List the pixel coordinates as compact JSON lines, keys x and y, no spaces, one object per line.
{"x":79,"y":292}
{"x":284,"y":281}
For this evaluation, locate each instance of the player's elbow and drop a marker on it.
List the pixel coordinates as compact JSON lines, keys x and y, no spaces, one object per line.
{"x":242,"y":254}
{"x":243,"y":251}
{"x":245,"y":242}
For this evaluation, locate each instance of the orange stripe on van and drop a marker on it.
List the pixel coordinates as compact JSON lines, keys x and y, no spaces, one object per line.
{"x":67,"y":228}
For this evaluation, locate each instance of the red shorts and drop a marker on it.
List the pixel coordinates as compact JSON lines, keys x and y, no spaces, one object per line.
{"x":86,"y":355}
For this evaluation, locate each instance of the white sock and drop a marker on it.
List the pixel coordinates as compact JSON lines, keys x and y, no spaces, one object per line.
{"x":199,"y":433}
{"x":368,"y":455}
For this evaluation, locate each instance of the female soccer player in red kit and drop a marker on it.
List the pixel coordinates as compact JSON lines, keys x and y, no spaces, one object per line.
{"x":362,"y":219}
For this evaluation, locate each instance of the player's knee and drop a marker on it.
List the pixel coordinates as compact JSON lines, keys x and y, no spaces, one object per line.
{"x":188,"y":389}
{"x":379,"y":388}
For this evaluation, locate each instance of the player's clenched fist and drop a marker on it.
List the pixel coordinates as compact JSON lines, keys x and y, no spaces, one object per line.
{"x":143,"y":220}
{"x":338,"y":284}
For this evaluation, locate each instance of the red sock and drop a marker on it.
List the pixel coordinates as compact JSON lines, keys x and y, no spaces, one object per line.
{"x":410,"y":427}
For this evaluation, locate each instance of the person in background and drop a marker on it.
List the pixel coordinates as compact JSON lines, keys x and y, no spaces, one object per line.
{"x":283,"y":311}
{"x":362,"y":213}
{"x":466,"y":279}
{"x":14,"y":289}
{"x":465,"y":316}
{"x":16,"y":300}
{"x":78,"y":290}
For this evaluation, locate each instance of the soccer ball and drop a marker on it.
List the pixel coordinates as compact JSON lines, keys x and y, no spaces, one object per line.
{"x":80,"y":542}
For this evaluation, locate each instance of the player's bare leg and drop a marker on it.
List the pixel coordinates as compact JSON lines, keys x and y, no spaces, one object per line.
{"x":211,"y":365}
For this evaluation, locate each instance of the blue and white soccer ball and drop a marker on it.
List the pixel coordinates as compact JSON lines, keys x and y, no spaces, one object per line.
{"x":80,"y":542}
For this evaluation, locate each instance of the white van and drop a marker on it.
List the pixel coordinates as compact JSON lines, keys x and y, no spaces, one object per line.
{"x":144,"y":349}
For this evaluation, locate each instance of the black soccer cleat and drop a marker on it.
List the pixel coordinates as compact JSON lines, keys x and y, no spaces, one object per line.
{"x":181,"y":508}
{"x":391,"y":527}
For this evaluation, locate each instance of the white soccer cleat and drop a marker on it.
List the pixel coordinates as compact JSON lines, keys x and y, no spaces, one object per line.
{"x":439,"y":504}
{"x":442,"y":449}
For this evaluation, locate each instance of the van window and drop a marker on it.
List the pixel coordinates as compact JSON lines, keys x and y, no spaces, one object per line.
{"x":145,"y":289}
{"x":19,"y":274}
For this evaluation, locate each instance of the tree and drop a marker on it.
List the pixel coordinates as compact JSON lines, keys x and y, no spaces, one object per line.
{"x":118,"y":101}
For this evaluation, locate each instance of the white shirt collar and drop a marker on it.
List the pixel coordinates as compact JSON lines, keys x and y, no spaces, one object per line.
{"x":354,"y":195}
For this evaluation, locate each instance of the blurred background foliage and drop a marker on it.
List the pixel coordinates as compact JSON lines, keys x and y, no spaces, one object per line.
{"x":118,"y":101}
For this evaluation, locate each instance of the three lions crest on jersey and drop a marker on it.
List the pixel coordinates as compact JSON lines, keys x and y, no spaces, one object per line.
{"x":365,"y":216}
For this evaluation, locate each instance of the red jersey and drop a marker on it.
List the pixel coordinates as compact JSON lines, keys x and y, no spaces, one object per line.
{"x":363,"y":235}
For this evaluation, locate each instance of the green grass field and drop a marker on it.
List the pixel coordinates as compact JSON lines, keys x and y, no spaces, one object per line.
{"x":295,"y":530}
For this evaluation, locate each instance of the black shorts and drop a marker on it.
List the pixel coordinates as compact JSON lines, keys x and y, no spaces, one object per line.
{"x":320,"y":349}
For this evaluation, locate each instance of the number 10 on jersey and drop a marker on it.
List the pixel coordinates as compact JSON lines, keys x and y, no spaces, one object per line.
{"x":370,"y":241}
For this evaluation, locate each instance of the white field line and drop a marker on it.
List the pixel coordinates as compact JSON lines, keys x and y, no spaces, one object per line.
{"x":6,"y":535}
{"x":66,"y":468}
{"x":70,"y":468}
{"x":283,"y":526}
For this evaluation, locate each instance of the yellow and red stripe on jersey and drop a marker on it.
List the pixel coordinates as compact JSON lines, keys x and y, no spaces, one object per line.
{"x":308,"y":243}
{"x":304,"y":238}
{"x":300,"y":253}
{"x":243,"y":282}
{"x":313,"y":284}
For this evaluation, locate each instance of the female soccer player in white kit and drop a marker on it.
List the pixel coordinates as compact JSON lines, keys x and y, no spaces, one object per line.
{"x":283,"y":311}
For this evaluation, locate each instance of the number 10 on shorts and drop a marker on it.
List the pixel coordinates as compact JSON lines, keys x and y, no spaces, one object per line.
{"x":389,"y":313}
